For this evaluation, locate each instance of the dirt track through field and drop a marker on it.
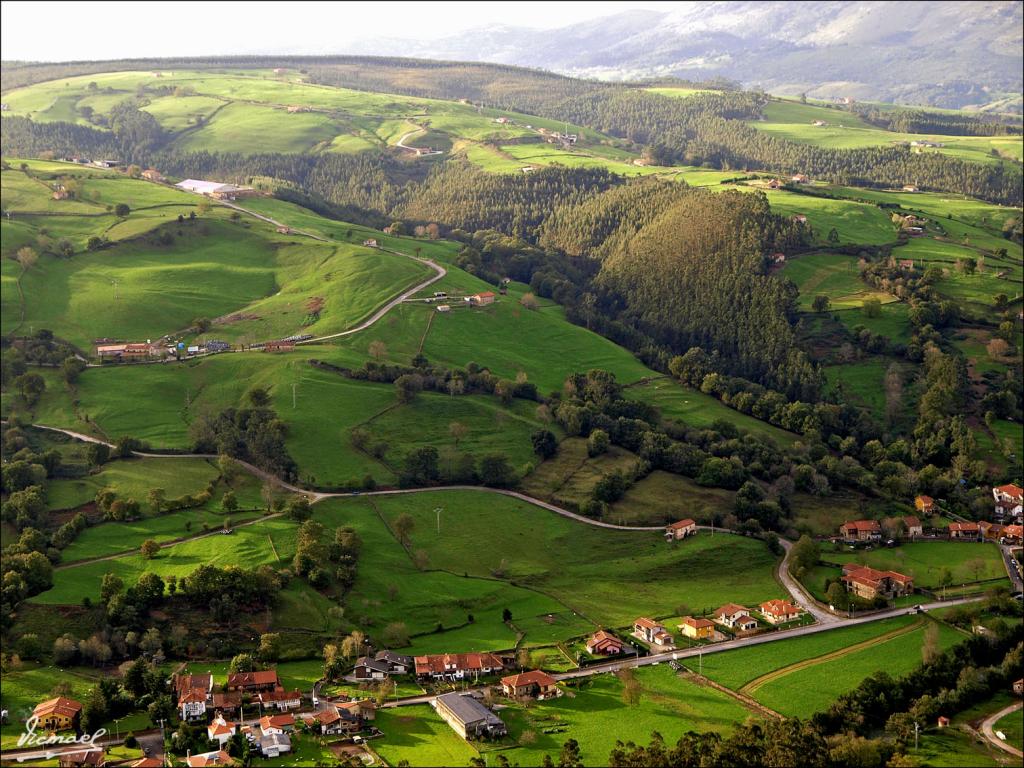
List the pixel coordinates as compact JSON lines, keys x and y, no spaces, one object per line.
{"x":750,"y":688}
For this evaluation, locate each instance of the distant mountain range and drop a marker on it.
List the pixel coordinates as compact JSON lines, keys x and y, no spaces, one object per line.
{"x":948,"y":54}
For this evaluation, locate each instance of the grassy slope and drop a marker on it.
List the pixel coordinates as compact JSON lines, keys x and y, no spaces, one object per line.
{"x":833,"y":275}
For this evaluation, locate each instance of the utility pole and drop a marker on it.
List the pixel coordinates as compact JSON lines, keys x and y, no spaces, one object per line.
{"x":438,"y":510}
{"x":916,"y":729}
{"x":294,"y":385}
{"x":114,"y":283}
{"x":700,"y":660}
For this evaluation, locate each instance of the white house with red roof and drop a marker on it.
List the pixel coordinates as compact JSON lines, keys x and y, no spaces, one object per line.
{"x":1009,"y":500}
{"x":780,"y":611}
{"x":680,"y":529}
{"x":220,"y":730}
{"x":652,"y":632}
{"x":968,"y":531}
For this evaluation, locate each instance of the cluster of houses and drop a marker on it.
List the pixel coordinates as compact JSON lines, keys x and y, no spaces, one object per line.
{"x":216,"y":189}
{"x":735,"y":617}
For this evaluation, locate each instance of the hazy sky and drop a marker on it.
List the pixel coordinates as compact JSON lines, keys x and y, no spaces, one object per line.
{"x":63,"y":31}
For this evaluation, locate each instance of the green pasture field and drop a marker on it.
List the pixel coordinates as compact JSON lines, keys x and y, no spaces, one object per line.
{"x":437,"y":603}
{"x":834,"y":275}
{"x":854,"y":222}
{"x":1012,"y":727}
{"x":493,"y":428}
{"x":952,"y":748}
{"x":247,"y":547}
{"x":508,"y":338}
{"x":793,"y":121}
{"x":893,"y":321}
{"x":568,"y":478}
{"x":678,"y":93}
{"x":925,"y":561}
{"x":132,"y":479}
{"x":595,"y":715}
{"x":252,"y":128}
{"x":176,"y":113}
{"x":159,"y":289}
{"x":300,"y":610}
{"x":606,"y":575}
{"x":419,"y":735}
{"x":822,"y":515}
{"x":1010,"y":431}
{"x":547,"y":154}
{"x":973,"y":344}
{"x":662,"y":497}
{"x":863,"y":382}
{"x":699,"y":410}
{"x":813,"y":688}
{"x":18,"y":192}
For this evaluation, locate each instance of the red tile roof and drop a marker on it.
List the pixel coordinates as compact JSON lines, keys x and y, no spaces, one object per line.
{"x":697,"y":623}
{"x":439,"y":664}
{"x":681,"y":524}
{"x":730,"y":609}
{"x":58,"y":706}
{"x":242,"y":679}
{"x":533,"y":677}
{"x":779,"y":608}
{"x":1010,"y":489}
{"x":645,"y":623}
{"x":863,"y":525}
{"x":964,"y":527}
{"x":276,"y":721}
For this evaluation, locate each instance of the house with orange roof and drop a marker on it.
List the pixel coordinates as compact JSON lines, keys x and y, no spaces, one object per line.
{"x":457,"y":666}
{"x":261,"y":680}
{"x":861,"y":530}
{"x":652,"y":632}
{"x":925,"y":505}
{"x":730,"y":613}
{"x":603,"y":643}
{"x":965,"y":531}
{"x":1009,"y":500}
{"x":207,"y":759}
{"x":680,"y":529}
{"x":870,"y":583}
{"x":58,"y":714}
{"x":220,"y":730}
{"x":533,"y":684}
{"x":913,"y":526}
{"x":697,"y":629}
{"x":780,"y":611}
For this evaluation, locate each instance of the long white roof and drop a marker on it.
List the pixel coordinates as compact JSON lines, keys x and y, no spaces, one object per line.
{"x":205,"y":187}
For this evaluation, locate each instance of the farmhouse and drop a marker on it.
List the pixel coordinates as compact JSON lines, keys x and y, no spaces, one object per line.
{"x":152,"y":174}
{"x":60,"y":192}
{"x":192,"y":704}
{"x":869,"y":583}
{"x":220,"y":757}
{"x":1014,"y":533}
{"x":906,"y":263}
{"x":925,"y":505}
{"x":265,"y":680}
{"x":861,"y":530}
{"x":457,"y":666}
{"x":226,"y":701}
{"x":216,"y":189}
{"x":1009,"y":500}
{"x":1018,"y":687}
{"x":58,"y":714}
{"x":730,"y":613}
{"x":280,"y":700}
{"x":680,"y":529}
{"x":819,"y":123}
{"x":651,"y":632}
{"x":444,"y":308}
{"x":779,"y":611}
{"x":277,"y":724}
{"x":698,"y":629}
{"x":914,"y":527}
{"x":468,"y":717}
{"x":371,"y":243}
{"x":800,"y":178}
{"x":967,"y":531}
{"x":535,"y":684}
{"x":779,"y":258}
{"x":602,"y":643}
{"x":398,"y":663}
{"x":481,"y":299}
{"x":776,"y":184}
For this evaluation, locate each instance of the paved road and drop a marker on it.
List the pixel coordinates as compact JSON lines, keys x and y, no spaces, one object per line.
{"x":1011,"y":567}
{"x":799,"y":594}
{"x":991,"y":720}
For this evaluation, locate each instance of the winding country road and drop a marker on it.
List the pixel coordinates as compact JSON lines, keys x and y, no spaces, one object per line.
{"x":987,"y":728}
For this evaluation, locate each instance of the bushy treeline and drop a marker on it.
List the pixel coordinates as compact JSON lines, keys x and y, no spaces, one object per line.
{"x":926,"y":121}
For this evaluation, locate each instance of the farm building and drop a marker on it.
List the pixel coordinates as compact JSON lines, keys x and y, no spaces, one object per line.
{"x":603,"y":643}
{"x":800,"y":178}
{"x":966,"y":531}
{"x":776,"y":184}
{"x":536,"y":684}
{"x":280,"y":700}
{"x":279,"y":346}
{"x":697,"y":629}
{"x":680,"y":529}
{"x":914,"y":527}
{"x":277,"y":724}
{"x":468,"y":717}
{"x":275,"y":744}
{"x":216,"y":189}
{"x":370,"y":669}
{"x":481,"y":299}
{"x":911,"y":188}
{"x":152,"y":174}
{"x":870,"y":583}
{"x":192,"y":704}
{"x":861,"y":530}
{"x":457,"y":666}
{"x":779,"y":611}
{"x":443,"y":308}
{"x":265,"y":680}
{"x":60,"y":192}
{"x":799,"y":218}
{"x":779,"y":258}
{"x":58,"y":714}
{"x":371,"y":243}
